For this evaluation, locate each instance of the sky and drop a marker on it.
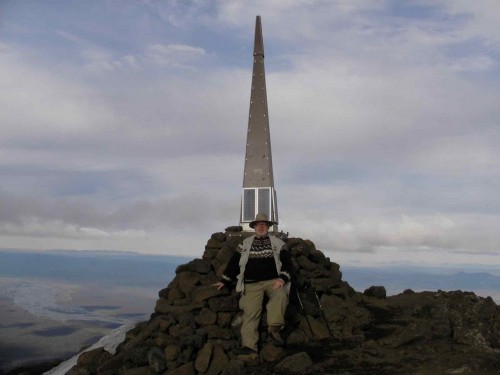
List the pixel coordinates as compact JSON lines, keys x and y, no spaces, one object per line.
{"x":123,"y":125}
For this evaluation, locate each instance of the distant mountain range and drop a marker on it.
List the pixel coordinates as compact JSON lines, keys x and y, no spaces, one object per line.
{"x":112,"y":267}
{"x":397,"y":279}
{"x":130,"y":269}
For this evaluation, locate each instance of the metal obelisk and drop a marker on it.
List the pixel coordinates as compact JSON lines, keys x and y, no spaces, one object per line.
{"x":258,"y":182}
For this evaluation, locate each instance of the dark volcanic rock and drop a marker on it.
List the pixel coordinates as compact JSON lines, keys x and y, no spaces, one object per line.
{"x":298,"y":363}
{"x":195,"y":327}
{"x":90,"y":361}
{"x":375,"y":291}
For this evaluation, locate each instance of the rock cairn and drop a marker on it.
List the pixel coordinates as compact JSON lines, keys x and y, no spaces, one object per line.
{"x":330,"y":328}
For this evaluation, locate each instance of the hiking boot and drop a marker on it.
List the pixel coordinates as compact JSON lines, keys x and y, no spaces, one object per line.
{"x":244,"y":351}
{"x":275,"y":335}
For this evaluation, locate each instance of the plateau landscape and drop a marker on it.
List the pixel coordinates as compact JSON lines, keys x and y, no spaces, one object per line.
{"x":135,"y":157}
{"x":55,"y":303}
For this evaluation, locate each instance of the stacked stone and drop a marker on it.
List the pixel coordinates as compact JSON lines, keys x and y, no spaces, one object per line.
{"x":195,"y":326}
{"x":204,"y":323}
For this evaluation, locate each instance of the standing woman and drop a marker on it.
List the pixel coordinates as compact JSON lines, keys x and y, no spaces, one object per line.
{"x":262,"y":265}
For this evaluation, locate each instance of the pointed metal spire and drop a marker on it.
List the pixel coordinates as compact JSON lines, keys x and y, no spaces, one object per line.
{"x":258,"y":181}
{"x":258,"y":48}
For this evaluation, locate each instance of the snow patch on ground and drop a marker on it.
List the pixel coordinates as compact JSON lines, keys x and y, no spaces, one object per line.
{"x":109,"y":343}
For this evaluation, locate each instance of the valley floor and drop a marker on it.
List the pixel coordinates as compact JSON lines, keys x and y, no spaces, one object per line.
{"x":39,"y":323}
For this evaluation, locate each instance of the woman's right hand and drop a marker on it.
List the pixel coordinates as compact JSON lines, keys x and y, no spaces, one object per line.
{"x":219,"y":285}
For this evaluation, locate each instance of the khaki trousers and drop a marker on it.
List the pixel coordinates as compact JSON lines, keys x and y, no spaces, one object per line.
{"x":251,"y":304}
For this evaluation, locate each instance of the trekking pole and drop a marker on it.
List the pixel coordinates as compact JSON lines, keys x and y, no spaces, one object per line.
{"x":323,"y":314}
{"x":304,"y":312}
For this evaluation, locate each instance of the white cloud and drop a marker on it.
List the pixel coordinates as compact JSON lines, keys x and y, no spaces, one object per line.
{"x":384,"y":126}
{"x":33,"y":101}
{"x":56,"y":229}
{"x":174,"y":55}
{"x":99,"y":61}
{"x":475,"y":63}
{"x":481,"y":19}
{"x":131,"y":60}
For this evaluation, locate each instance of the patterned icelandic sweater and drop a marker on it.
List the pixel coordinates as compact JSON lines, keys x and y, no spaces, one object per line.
{"x":261,"y":265}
